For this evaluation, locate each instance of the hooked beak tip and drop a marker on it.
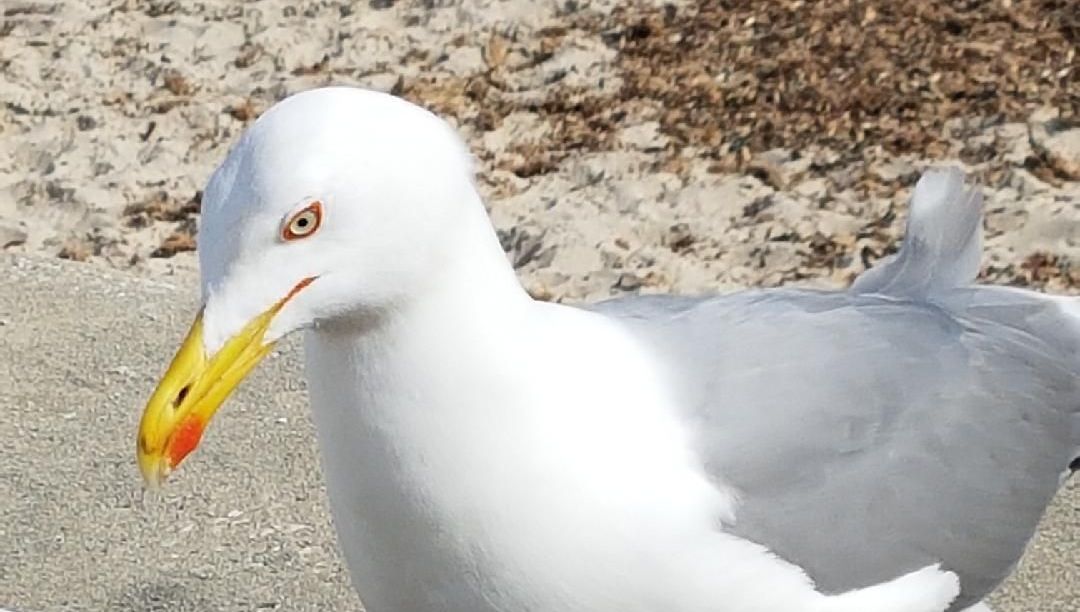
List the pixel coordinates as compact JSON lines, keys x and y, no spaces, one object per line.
{"x":155,"y":470}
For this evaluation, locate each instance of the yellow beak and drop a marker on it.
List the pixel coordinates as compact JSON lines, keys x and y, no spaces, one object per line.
{"x":194,"y":387}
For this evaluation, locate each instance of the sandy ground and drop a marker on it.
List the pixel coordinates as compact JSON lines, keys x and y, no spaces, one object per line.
{"x":246,"y":529}
{"x":641,"y":146}
{"x":244,"y":525}
{"x":640,"y":149}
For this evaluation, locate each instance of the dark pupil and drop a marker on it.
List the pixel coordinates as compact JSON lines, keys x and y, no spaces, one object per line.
{"x":302,"y":222}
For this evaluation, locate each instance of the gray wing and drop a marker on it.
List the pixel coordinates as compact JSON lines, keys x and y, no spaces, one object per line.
{"x":872,"y":434}
{"x":869,"y":438}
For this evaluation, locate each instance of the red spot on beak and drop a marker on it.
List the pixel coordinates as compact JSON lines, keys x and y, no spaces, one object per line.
{"x":297,"y":289}
{"x":184,"y":439}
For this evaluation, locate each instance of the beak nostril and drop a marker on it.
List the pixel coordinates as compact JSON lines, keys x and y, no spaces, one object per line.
{"x":182,"y":394}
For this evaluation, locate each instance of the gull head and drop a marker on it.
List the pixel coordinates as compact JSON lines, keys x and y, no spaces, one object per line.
{"x":336,"y":202}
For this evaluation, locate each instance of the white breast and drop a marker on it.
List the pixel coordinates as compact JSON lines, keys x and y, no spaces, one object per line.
{"x":472,"y":471}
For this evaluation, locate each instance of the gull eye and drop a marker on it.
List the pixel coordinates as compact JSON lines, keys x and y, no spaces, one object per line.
{"x":303,"y":223}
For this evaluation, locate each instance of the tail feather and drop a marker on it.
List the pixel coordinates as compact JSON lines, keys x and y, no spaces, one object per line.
{"x":942,"y":247}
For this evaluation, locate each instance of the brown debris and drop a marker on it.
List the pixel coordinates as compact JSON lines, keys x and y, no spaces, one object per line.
{"x":95,"y":243}
{"x":759,"y":75}
{"x":738,"y":78}
{"x":317,"y":68}
{"x":177,"y":242}
{"x":496,"y":50}
{"x":180,"y":240}
{"x":679,"y":238}
{"x":177,"y":84}
{"x":1039,"y":270}
{"x":249,"y":54}
{"x":579,"y":118}
{"x":162,"y":207}
{"x":244,"y":111}
{"x":1043,"y":269}
{"x":76,"y":250}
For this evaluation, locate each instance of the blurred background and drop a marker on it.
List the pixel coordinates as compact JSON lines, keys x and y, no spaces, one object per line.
{"x":633,"y":146}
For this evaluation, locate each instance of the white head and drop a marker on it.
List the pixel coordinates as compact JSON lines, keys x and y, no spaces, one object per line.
{"x":336,"y":202}
{"x":373,"y":187}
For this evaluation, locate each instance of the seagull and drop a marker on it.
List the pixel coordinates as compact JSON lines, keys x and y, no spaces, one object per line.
{"x":890,"y":447}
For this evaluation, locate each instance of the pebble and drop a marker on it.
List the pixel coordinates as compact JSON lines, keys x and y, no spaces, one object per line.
{"x":11,"y":236}
{"x":1056,"y":142}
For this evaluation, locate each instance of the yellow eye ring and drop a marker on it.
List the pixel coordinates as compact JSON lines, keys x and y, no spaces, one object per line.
{"x":303,"y":223}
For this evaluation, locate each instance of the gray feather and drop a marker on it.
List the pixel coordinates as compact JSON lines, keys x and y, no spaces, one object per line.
{"x":943,"y":245}
{"x":910,"y":421}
